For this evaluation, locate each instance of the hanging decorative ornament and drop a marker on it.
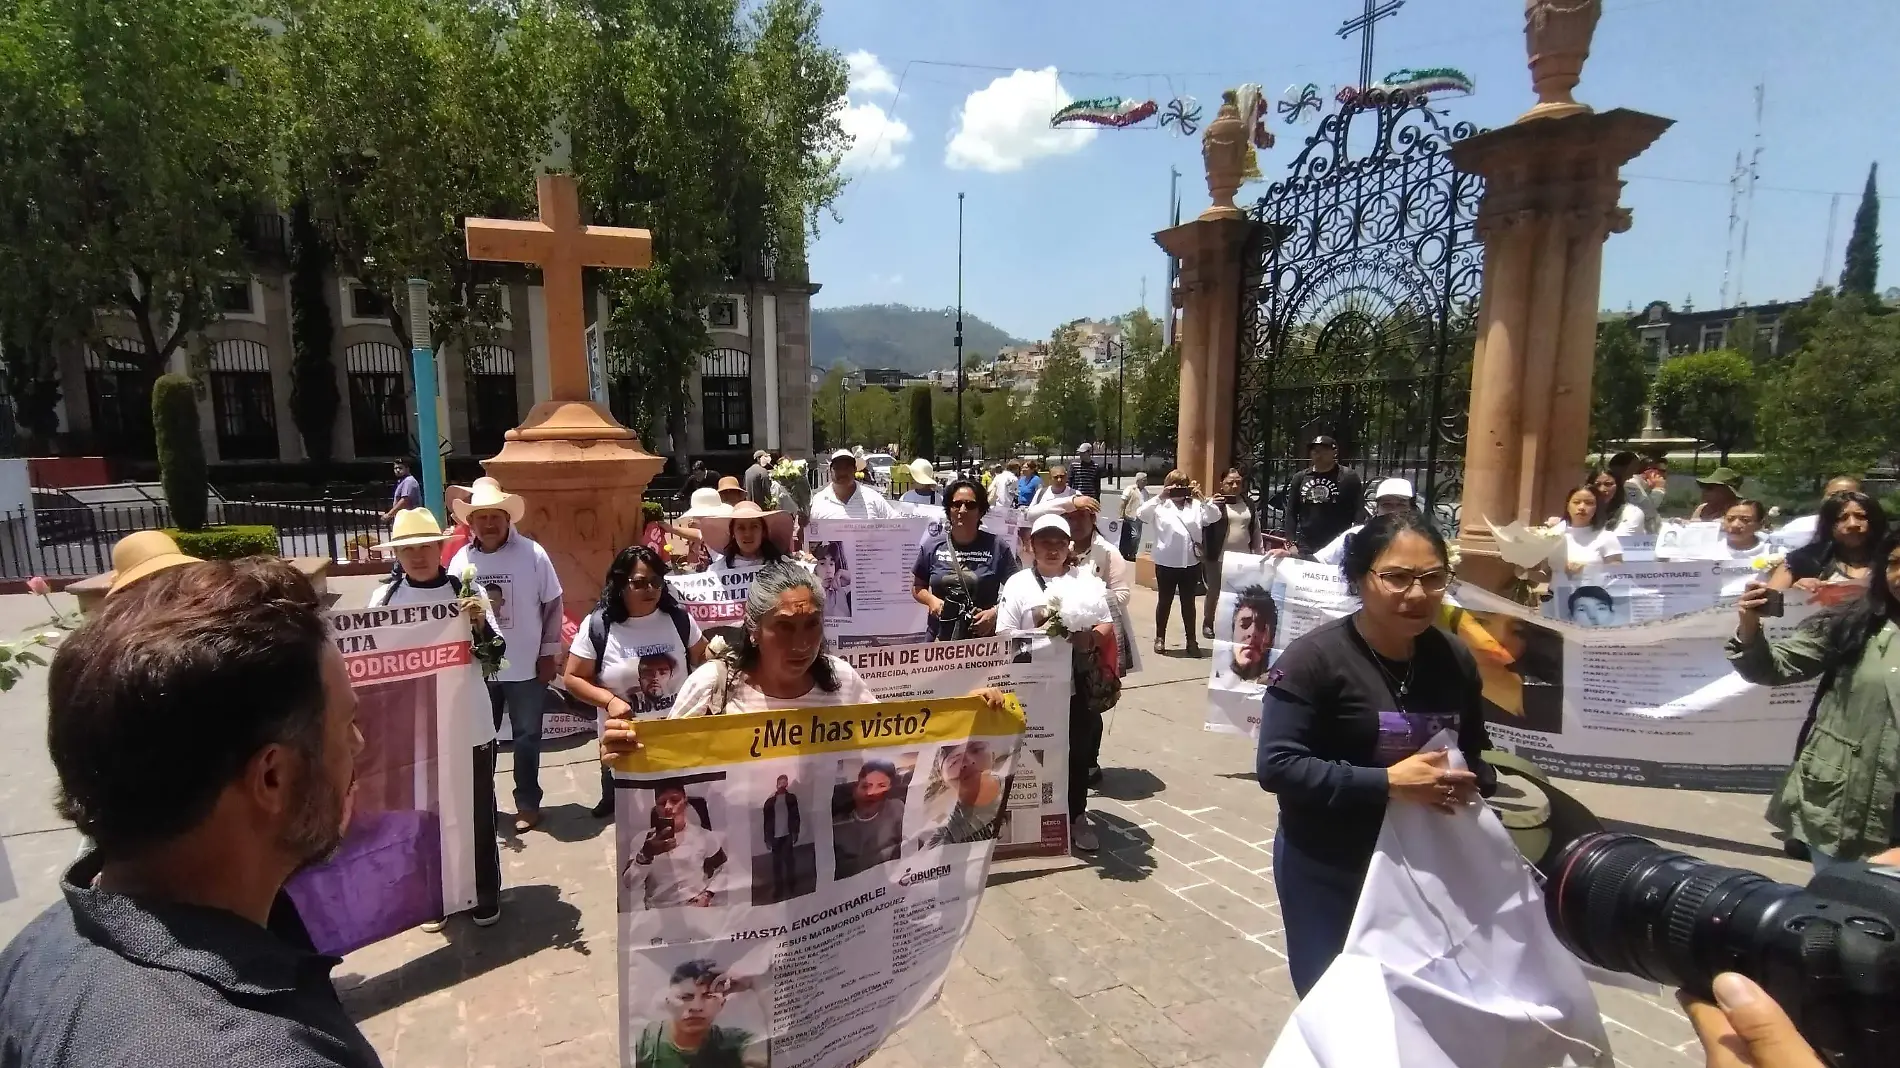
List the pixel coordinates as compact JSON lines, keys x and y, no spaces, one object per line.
{"x":1184,"y":114}
{"x":1252,"y":103}
{"x":1300,"y":103}
{"x":1424,"y":83}
{"x":1104,"y":111}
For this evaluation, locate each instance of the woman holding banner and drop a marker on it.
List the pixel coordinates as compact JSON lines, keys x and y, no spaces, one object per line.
{"x":1059,"y":587}
{"x":960,"y":573}
{"x":1839,"y":798}
{"x":1850,"y":525}
{"x":1347,"y":710}
{"x":634,"y":650}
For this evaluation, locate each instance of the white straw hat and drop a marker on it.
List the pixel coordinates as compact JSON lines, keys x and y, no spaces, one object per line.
{"x":485,"y":494}
{"x":923,"y":472}
{"x":414,"y":526}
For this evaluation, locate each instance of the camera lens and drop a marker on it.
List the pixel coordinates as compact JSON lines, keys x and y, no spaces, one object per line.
{"x":1626,"y":904}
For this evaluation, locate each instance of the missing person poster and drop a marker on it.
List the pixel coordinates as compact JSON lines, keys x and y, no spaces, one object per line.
{"x":792,"y":887}
{"x":408,"y":855}
{"x":1622,"y":595}
{"x":865,"y":566}
{"x":1264,"y":604}
{"x":1038,"y":672}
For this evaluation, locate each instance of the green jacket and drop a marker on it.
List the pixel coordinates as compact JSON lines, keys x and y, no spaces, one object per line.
{"x":1839,"y":795}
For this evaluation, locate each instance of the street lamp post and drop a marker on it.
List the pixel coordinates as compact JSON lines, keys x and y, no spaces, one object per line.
{"x":961,"y":454}
{"x":1121,"y":400}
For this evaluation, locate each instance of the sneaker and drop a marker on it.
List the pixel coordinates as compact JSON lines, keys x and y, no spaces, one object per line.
{"x":1082,"y":836}
{"x":435,"y":926}
{"x":489,"y":918}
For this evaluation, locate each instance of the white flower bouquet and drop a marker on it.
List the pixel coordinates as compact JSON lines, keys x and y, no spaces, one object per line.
{"x":1522,"y":546}
{"x":791,"y":486}
{"x":1077,"y":602}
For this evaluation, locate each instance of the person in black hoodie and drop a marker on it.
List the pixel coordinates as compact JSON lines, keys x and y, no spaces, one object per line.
{"x":1348,"y":709}
{"x":1323,"y":500}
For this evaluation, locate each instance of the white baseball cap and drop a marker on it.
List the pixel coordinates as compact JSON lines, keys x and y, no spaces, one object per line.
{"x":1050,"y":522}
{"x":1084,"y":449}
{"x":1394,"y":487}
{"x":841,"y":454}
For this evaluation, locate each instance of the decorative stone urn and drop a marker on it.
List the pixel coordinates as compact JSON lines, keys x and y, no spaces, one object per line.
{"x":1224,"y":151}
{"x":1557,"y":36}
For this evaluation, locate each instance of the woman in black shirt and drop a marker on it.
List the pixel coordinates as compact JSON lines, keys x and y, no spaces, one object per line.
{"x":960,"y":573}
{"x":1845,"y":532}
{"x":1347,"y":709}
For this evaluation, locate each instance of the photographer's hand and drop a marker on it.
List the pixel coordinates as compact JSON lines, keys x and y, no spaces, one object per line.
{"x":1746,"y":1029}
{"x":1755,"y":597}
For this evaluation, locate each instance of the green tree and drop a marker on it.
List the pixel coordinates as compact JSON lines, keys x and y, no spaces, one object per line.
{"x":1158,"y":400}
{"x":313,"y":392}
{"x":1064,"y":404}
{"x":875,"y":417}
{"x":720,"y":135}
{"x":138,"y":135}
{"x":410,"y":116}
{"x":1619,"y":387}
{"x":1708,"y":395}
{"x":828,"y":412}
{"x":921,"y":435}
{"x":999,"y":428}
{"x":181,"y":451}
{"x":1831,"y":411}
{"x":1862,"y":270}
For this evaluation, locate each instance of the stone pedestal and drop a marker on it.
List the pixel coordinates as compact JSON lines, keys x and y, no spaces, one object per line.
{"x":1210,"y":251}
{"x":582,"y":476}
{"x":1550,"y":201}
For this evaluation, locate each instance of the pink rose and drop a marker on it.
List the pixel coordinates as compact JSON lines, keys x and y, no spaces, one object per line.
{"x":40,"y":586}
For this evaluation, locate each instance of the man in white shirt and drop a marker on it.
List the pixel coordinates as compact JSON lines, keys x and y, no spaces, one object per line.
{"x":1003,"y":486}
{"x":1801,"y":529}
{"x":1646,"y":489}
{"x":1393,"y":495}
{"x":675,"y":864}
{"x":923,"y":484}
{"x":525,"y":595}
{"x":847,"y":498}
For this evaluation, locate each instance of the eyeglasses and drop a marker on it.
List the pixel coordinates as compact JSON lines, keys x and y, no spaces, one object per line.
{"x":1398,"y":582}
{"x":954,"y":505}
{"x":644,"y":585}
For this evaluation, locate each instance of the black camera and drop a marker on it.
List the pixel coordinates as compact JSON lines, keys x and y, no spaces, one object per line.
{"x":1828,"y":953}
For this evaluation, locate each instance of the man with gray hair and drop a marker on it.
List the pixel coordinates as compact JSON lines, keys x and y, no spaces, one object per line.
{"x":758,"y":479}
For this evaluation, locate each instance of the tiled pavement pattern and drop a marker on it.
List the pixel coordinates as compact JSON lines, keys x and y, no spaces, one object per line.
{"x":1164,"y":951}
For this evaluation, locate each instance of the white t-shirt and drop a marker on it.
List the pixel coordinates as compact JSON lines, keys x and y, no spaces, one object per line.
{"x":1629,"y":521}
{"x":1796,"y":532}
{"x":1334,"y":552}
{"x":917,"y":496}
{"x":677,"y":876}
{"x":518,"y":579}
{"x":697,"y":696}
{"x":1023,"y":606}
{"x":1003,"y":491}
{"x":1132,"y":499}
{"x":1584,"y":545}
{"x":651,"y":639}
{"x":865,"y":503}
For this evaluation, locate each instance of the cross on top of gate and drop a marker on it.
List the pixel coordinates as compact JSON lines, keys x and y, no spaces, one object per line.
{"x":1363,"y":26}
{"x":561,"y":247}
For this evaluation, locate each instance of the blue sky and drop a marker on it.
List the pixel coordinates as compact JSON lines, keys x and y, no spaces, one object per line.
{"x":953,"y":96}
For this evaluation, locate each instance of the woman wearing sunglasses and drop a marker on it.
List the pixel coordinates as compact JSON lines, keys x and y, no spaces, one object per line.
{"x":959,"y":574}
{"x":1348,"y":710}
{"x":634,"y":651}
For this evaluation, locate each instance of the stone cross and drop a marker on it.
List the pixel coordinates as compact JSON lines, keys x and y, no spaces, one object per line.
{"x":559,"y":245}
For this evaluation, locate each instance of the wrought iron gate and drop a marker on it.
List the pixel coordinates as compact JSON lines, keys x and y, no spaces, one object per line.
{"x":1358,"y":307}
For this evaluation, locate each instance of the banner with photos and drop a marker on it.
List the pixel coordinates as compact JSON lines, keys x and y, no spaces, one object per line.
{"x":1038,"y":672}
{"x":408,"y":854}
{"x":792,"y":887}
{"x":1642,"y":694}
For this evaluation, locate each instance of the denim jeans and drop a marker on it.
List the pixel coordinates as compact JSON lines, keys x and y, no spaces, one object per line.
{"x":525,"y":701}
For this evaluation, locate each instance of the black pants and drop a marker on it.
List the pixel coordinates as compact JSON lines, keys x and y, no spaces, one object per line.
{"x":1317,"y":901}
{"x":487,"y":850}
{"x":1085,"y":748}
{"x":1170,"y":583}
{"x":784,"y":867}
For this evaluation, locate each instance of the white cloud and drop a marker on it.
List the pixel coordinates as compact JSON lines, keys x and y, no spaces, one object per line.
{"x":877,"y":138}
{"x":1006,"y":124}
{"x":868,"y":75}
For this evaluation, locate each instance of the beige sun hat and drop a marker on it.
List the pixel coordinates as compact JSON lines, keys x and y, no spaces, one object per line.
{"x":923,"y":472}
{"x":484,"y":494}
{"x":717,"y":529}
{"x":146,"y":552}
{"x":414,"y":526}
{"x":704,"y":502}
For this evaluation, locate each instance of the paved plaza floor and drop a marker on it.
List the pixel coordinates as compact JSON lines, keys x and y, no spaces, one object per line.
{"x":1165,"y":950}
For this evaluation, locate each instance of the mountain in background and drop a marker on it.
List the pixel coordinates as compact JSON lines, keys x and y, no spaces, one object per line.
{"x":894,"y":335}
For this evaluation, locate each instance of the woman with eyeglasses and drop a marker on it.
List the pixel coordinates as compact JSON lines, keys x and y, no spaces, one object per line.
{"x":1348,"y":710}
{"x":634,"y":651}
{"x":960,"y":573}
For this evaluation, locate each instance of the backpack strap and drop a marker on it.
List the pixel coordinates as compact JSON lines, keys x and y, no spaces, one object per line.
{"x":682,"y":623}
{"x":597,"y":633}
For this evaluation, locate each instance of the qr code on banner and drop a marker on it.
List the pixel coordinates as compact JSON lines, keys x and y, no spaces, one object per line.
{"x":1048,"y":793}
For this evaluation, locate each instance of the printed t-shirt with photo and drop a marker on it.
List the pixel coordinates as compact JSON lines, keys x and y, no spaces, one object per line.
{"x":696,"y":698}
{"x":984,"y":564}
{"x":518,"y":579}
{"x":631,"y":641}
{"x":677,"y":876}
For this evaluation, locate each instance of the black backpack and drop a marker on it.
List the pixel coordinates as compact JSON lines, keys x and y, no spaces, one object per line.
{"x":597,"y":628}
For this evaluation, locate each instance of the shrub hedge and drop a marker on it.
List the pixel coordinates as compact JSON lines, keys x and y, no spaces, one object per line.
{"x":227,"y":542}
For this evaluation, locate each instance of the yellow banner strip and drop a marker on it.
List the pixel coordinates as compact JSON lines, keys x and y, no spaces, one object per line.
{"x":671,"y":745}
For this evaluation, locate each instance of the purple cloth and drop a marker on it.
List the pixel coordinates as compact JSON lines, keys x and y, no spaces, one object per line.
{"x":385,"y":878}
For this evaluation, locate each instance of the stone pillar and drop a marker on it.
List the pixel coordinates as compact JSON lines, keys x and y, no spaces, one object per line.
{"x":1210,"y":251}
{"x":1550,"y":201}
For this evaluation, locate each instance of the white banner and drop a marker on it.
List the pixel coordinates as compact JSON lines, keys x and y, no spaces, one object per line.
{"x":1038,"y":672}
{"x":714,"y":598}
{"x":408,"y":856}
{"x":792,"y":887}
{"x":865,"y":567}
{"x":1620,"y":595}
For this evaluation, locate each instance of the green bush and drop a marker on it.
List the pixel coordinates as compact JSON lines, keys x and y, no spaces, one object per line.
{"x":181,"y":452}
{"x":651,"y":512}
{"x":227,"y":542}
